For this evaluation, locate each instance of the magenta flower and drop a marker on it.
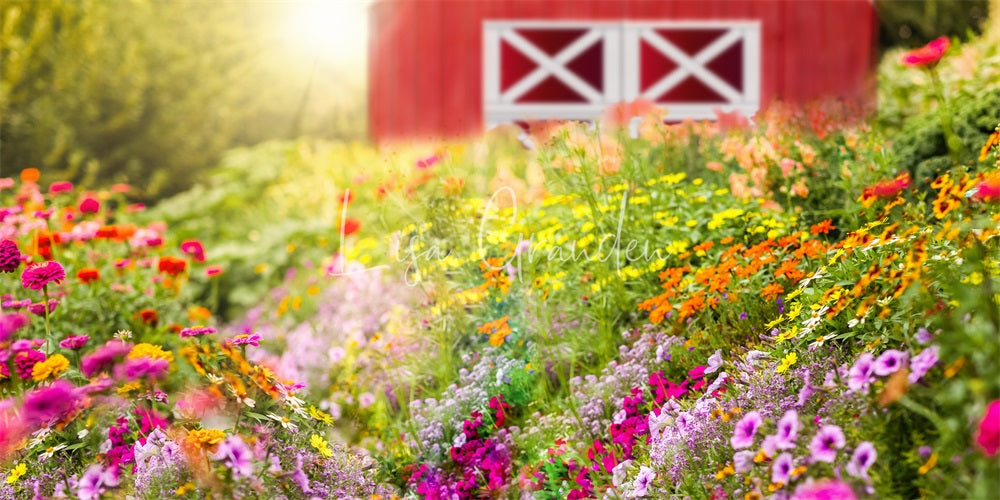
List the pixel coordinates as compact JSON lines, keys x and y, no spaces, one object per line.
{"x":781,"y":469}
{"x":104,"y":357}
{"x":74,"y":342}
{"x":245,"y":339}
{"x":746,"y":428}
{"x":10,"y":323}
{"x":860,"y":374}
{"x":25,"y":361}
{"x":929,"y":54}
{"x":39,"y":308}
{"x":60,"y":186}
{"x":50,"y":402}
{"x":235,"y":455}
{"x":826,"y":442}
{"x":829,"y":489}
{"x":143,"y":367}
{"x":922,"y":363}
{"x":10,"y":256}
{"x":889,"y":362}
{"x":195,"y":249}
{"x":197,"y":331}
{"x":37,"y":276}
{"x":863,"y":458}
{"x":90,"y":205}
{"x":988,"y":433}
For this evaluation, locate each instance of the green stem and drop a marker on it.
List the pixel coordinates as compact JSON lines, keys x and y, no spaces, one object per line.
{"x":48,"y":331}
{"x":926,"y":413}
{"x":955,"y":146}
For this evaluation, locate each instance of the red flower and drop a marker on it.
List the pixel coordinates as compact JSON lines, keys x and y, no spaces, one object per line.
{"x":88,"y":275}
{"x":171,"y":265}
{"x":350,"y":226}
{"x":345,"y":197}
{"x":148,"y":316}
{"x":90,"y":205}
{"x":929,"y":54}
{"x":988,"y":434}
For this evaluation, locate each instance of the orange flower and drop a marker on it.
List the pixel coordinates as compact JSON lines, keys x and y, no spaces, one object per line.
{"x":88,"y":275}
{"x":821,"y":228}
{"x":30,"y":175}
{"x":498,"y":330}
{"x":771,"y":291}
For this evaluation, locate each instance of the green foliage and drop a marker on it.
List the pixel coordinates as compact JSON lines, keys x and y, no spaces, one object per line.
{"x":153,"y":92}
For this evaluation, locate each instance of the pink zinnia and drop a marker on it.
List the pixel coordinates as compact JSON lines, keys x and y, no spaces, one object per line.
{"x":39,"y":308}
{"x":37,"y":276}
{"x":74,"y":342}
{"x":197,"y":331}
{"x":46,"y":403}
{"x":103,"y":357}
{"x":90,"y":205}
{"x":25,"y":361}
{"x":195,"y":249}
{"x":10,"y":256}
{"x":144,"y":367}
{"x":213,"y":271}
{"x":988,"y":434}
{"x":929,"y":54}
{"x":59,"y":187}
{"x":245,"y":339}
{"x":10,"y":323}
{"x":989,"y":189}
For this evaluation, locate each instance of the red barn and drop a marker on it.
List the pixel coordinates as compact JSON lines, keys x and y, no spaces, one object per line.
{"x":445,"y":68}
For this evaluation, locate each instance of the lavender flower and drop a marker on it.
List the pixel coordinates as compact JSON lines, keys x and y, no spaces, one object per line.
{"x":746,"y":428}
{"x":714,"y":362}
{"x":640,"y":487}
{"x":96,"y":480}
{"x":788,"y":430}
{"x":922,"y":363}
{"x":889,"y":362}
{"x":923,"y":336}
{"x":863,"y":458}
{"x":234,"y":454}
{"x":860,"y":374}
{"x":743,"y":461}
{"x":826,"y":442}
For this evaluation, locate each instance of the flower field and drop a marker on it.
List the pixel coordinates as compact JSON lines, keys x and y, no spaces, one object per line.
{"x":803,"y":306}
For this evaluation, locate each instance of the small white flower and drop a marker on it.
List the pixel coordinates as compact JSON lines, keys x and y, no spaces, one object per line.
{"x":123,"y":334}
{"x":51,"y":451}
{"x":39,"y":436}
{"x":817,"y":275}
{"x":284,"y":421}
{"x":215,"y":379}
{"x":82,"y":434}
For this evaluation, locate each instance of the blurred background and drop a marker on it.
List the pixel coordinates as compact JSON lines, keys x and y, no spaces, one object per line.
{"x":154,"y":93}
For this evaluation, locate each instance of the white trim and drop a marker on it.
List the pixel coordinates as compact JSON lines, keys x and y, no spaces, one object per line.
{"x":621,"y":66}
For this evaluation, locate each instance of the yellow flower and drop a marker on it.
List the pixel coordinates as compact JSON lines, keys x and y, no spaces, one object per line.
{"x":186,"y":487}
{"x":16,"y":473}
{"x":931,"y":462}
{"x":321,"y":446}
{"x":129,"y":387}
{"x":51,"y":367}
{"x":150,"y":351}
{"x":204,"y":438}
{"x":318,"y":414}
{"x":787,"y":362}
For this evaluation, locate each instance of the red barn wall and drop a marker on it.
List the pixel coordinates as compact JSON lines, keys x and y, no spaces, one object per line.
{"x":425,"y":57}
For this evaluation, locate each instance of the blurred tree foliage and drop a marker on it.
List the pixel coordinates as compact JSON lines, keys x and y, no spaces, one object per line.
{"x":152,"y":93}
{"x":912,"y":23}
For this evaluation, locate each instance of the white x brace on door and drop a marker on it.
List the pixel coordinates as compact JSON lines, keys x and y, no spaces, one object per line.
{"x":539,"y":70}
